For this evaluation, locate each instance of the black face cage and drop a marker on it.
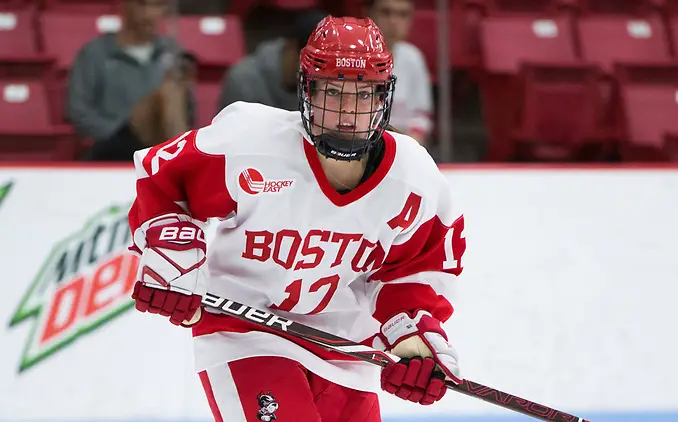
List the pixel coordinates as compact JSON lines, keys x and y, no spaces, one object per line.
{"x":345,"y":145}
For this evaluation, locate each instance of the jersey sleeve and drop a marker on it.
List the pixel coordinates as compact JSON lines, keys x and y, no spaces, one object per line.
{"x":424,"y":260}
{"x":180,"y":177}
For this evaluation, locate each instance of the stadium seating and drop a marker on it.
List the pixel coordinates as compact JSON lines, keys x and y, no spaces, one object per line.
{"x":463,"y":22}
{"x":218,"y":43}
{"x":207,"y":99}
{"x":15,"y":4}
{"x":241,"y":8}
{"x":64,"y":33}
{"x":509,"y":7}
{"x":26,"y":128}
{"x":83,"y":6}
{"x":670,"y":7}
{"x":23,"y":106}
{"x":649,"y":106}
{"x":514,"y":95}
{"x":672,"y":23}
{"x":215,"y":40}
{"x":18,"y":38}
{"x":606,"y":40}
{"x":291,"y":4}
{"x":670,"y":147}
{"x":562,"y":114}
{"x":618,"y":7}
{"x":556,"y":76}
{"x":20,"y":53}
{"x":423,"y":35}
{"x":508,"y":41}
{"x":496,"y":7}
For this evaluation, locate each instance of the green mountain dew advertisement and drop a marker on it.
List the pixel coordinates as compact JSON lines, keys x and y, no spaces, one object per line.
{"x":4,"y":191}
{"x":84,"y":283}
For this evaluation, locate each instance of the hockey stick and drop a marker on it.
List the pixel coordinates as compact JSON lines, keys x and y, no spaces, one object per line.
{"x":377,"y":357}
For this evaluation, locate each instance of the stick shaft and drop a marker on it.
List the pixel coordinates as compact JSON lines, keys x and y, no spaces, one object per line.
{"x":378,"y":357}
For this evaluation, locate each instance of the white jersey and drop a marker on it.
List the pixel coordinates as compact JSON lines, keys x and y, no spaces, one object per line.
{"x":287,"y":242}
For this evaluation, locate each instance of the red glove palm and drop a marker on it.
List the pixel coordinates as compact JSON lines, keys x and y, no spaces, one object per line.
{"x":427,"y":357}
{"x":415,"y":380}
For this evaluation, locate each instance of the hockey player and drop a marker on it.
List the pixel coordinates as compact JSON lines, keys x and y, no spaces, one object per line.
{"x":324,"y":217}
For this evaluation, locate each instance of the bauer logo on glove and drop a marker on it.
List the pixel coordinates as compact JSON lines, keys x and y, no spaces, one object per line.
{"x":172,"y":280}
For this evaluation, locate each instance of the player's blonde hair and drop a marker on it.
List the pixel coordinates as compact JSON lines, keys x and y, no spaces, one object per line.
{"x":392,"y":129}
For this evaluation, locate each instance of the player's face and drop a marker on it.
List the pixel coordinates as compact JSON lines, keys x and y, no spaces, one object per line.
{"x":394,"y":18}
{"x":346,"y":108}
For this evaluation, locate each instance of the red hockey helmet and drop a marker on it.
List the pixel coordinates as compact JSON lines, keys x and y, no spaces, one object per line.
{"x":345,"y":119}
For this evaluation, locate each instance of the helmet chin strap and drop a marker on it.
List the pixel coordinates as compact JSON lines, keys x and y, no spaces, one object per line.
{"x":338,"y":148}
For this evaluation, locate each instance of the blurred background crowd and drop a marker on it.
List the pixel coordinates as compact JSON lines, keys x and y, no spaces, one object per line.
{"x":478,"y":80}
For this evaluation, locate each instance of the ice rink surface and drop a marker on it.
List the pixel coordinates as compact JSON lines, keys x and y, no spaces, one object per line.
{"x":593,"y":417}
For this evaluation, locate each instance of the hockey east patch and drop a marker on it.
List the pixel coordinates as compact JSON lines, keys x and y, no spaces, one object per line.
{"x":251,"y":181}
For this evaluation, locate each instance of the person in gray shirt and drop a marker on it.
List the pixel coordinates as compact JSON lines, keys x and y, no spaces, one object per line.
{"x":131,"y":89}
{"x":269,"y":75}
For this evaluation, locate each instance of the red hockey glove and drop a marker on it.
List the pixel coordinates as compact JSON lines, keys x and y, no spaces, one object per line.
{"x":171,"y":279}
{"x":428,"y":359}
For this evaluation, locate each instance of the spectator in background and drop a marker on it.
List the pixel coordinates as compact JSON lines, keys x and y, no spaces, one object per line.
{"x":412,"y":104}
{"x":269,"y":75}
{"x":131,"y":89}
